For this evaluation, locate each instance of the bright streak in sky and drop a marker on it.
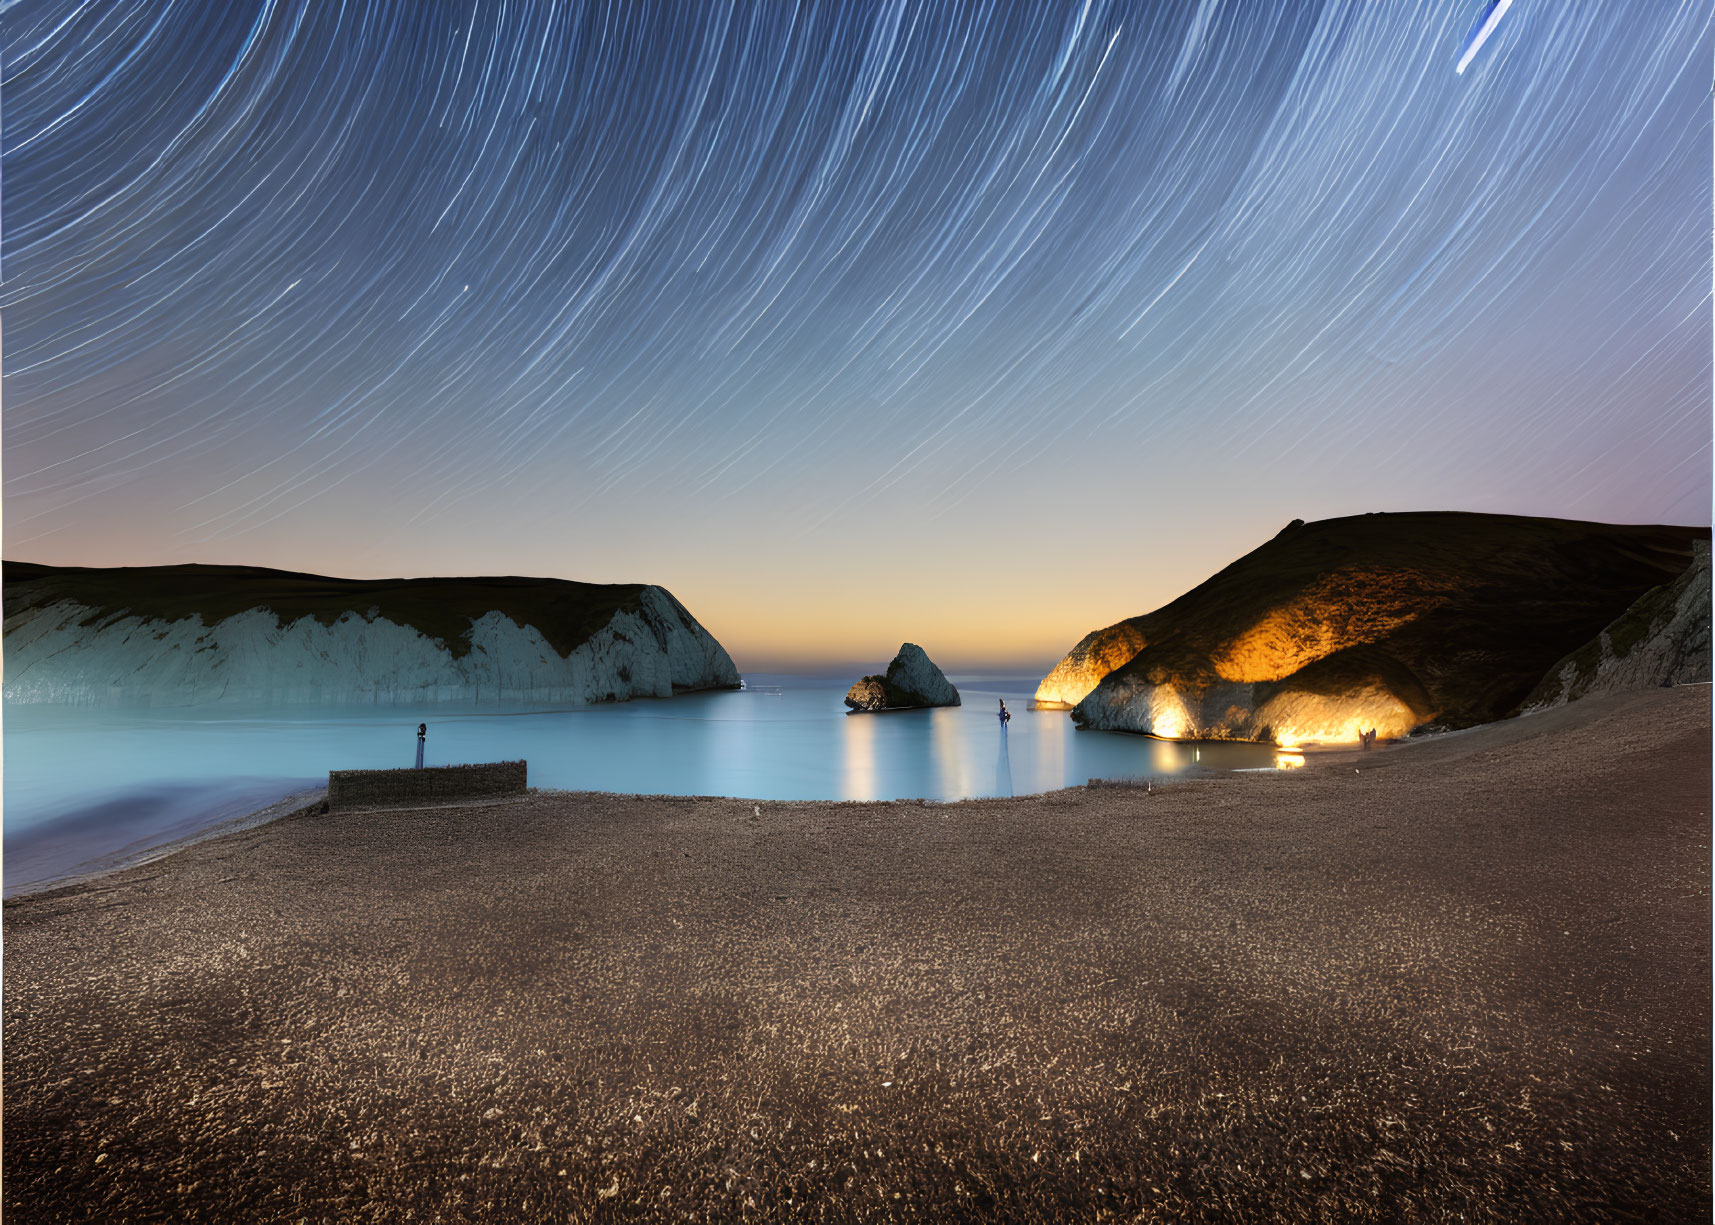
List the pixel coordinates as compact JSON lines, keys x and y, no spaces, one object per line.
{"x":974,"y":324}
{"x":1497,"y":10}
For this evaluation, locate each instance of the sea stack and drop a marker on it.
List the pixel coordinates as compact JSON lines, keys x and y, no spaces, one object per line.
{"x":912,"y":682}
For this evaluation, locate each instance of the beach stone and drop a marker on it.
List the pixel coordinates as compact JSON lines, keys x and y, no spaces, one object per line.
{"x":869,"y":693}
{"x":912,"y":680}
{"x":1368,"y":971}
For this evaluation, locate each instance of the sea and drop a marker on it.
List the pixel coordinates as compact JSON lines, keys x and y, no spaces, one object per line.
{"x":88,"y":789}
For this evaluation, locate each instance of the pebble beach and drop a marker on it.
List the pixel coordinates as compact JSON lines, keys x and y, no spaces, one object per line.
{"x":1464,"y":978}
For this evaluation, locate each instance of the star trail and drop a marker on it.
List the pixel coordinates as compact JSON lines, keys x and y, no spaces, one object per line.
{"x":824,"y":315}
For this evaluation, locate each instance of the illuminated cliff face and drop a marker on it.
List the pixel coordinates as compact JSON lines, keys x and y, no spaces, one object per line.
{"x":1304,"y":718}
{"x":1085,"y":665}
{"x":1349,"y":607}
{"x":1157,"y":710}
{"x":1236,"y":711}
{"x":1374,"y":621}
{"x":1346,"y":608}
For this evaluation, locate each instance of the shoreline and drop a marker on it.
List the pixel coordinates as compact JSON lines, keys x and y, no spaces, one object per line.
{"x":1472,"y":980}
{"x":288,"y":805}
{"x":1313,"y":754}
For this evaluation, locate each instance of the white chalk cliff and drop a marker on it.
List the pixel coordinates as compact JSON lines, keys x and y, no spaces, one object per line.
{"x":629,"y":642}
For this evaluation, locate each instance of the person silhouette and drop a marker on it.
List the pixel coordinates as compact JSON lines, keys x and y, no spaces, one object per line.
{"x":422,"y":735}
{"x":1005,"y":715}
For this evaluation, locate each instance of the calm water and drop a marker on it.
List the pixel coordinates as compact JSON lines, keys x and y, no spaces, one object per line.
{"x":90,"y":786}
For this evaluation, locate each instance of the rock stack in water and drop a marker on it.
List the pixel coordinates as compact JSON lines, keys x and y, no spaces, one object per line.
{"x":912,"y":681}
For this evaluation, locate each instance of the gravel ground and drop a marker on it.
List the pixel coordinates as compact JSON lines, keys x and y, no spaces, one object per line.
{"x":1466,"y":979}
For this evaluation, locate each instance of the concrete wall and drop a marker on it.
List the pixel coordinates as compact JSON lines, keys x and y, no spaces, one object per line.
{"x":431,"y":785}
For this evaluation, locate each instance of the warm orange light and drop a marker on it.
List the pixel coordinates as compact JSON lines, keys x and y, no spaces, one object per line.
{"x":1169,"y":726}
{"x":1349,"y":731}
{"x":1083,"y":668}
{"x":1168,"y":717}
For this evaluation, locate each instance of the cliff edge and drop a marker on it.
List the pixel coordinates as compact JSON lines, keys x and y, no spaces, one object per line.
{"x":193,"y":635}
{"x":1662,"y":639}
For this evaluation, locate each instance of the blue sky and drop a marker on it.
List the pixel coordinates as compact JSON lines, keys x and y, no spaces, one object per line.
{"x":978,"y":325}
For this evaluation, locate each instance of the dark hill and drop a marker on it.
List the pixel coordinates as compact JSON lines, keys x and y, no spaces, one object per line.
{"x":1385,"y":620}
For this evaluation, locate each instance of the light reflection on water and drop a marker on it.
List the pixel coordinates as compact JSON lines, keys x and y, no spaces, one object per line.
{"x":84,"y":784}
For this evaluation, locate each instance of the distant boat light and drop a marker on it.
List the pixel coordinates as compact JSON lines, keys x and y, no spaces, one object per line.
{"x":1485,"y":26}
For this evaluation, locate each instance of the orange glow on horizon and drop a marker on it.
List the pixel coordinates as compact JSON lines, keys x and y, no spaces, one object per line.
{"x":777,"y":600}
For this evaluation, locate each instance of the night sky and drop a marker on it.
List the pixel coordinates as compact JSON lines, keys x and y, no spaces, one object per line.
{"x":979,"y":326}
